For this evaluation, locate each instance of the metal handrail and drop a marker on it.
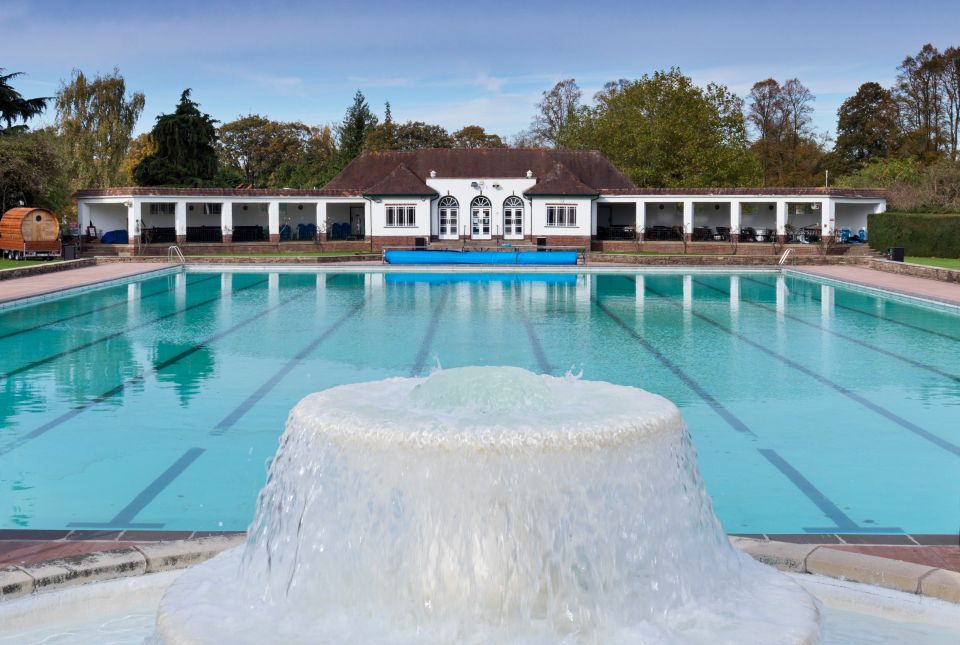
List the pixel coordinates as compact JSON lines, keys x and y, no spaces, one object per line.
{"x":783,"y":258}
{"x":174,"y":253}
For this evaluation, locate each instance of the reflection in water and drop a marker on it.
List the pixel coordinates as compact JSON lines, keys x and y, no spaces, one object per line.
{"x":185,"y":366}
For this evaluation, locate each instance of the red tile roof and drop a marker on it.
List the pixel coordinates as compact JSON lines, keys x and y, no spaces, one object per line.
{"x":560,"y":181}
{"x":401,"y":181}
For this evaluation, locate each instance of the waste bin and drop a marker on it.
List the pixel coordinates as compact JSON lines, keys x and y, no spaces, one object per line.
{"x":69,"y":251}
{"x":895,"y":253}
{"x":541,"y":244}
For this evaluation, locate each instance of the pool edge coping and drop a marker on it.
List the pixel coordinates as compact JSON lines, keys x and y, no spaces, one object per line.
{"x":888,"y":294}
{"x":21,"y":581}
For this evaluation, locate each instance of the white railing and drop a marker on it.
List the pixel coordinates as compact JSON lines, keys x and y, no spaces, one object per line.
{"x":783,"y":258}
{"x":174,"y":253}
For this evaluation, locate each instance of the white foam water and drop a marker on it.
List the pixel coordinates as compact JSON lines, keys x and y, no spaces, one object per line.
{"x":485,"y":504}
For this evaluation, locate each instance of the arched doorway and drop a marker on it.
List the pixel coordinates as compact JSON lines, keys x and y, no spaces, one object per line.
{"x":480,"y":210}
{"x":449,"y":218}
{"x":513,"y":218}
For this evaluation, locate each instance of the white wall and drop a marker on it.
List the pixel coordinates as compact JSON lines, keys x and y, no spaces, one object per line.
{"x":707,"y":214}
{"x":758,"y":215}
{"x":197,"y":217}
{"x":464,"y":194}
{"x":853,"y":215}
{"x":584,"y":216}
{"x":107,"y":217}
{"x":422,"y":219}
{"x":254,"y":215}
{"x":160,"y":221}
{"x":670,"y":215}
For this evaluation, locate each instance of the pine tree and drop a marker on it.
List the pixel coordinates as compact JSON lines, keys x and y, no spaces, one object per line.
{"x":186,"y":154}
{"x":357,"y":123}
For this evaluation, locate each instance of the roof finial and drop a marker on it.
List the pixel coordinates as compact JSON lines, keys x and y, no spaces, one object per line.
{"x":433,"y":174}
{"x":529,"y":174}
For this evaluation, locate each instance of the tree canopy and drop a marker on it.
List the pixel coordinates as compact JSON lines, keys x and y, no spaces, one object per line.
{"x":868,"y":126}
{"x":13,"y":107}
{"x":664,"y":131}
{"x":255,"y":147}
{"x":186,"y":154}
{"x":474,"y":136}
{"x":95,"y":122}
{"x":357,"y":124}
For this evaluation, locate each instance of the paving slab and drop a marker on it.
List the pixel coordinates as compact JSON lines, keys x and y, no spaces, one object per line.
{"x":947,"y":292}
{"x":48,"y":283}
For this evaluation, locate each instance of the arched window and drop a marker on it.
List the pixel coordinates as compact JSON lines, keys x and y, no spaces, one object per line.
{"x":480,"y":211}
{"x":449,"y":214}
{"x":513,"y":217}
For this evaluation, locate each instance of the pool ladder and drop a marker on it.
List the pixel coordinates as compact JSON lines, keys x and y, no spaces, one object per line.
{"x":783,"y":258}
{"x":174,"y":253}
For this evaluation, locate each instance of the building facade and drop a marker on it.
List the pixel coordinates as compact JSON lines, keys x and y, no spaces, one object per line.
{"x":460,"y":196}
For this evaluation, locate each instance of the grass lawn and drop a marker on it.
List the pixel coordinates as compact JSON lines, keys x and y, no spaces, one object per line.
{"x":946,"y":263}
{"x":13,"y":264}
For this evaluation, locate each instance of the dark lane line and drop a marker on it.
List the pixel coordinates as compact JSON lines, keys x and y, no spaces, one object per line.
{"x":73,"y":412}
{"x":828,"y":508}
{"x":535,"y":345}
{"x":231,"y":419}
{"x":864,"y":312}
{"x":856,"y":341}
{"x":103,"y":339}
{"x":160,"y":292}
{"x":688,"y":380}
{"x":850,"y":394}
{"x":421,"y":358}
{"x":124,"y":519}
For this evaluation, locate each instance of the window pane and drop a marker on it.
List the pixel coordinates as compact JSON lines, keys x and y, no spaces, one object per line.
{"x":389,"y":215}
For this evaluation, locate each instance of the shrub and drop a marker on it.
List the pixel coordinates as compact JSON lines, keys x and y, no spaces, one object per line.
{"x":921,"y":234}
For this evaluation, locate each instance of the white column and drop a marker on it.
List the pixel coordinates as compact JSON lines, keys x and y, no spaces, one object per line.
{"x":368,"y":218}
{"x":781,"y":217}
{"x":735,"y":214}
{"x":688,"y":216}
{"x":641,"y":216}
{"x":133,"y":220}
{"x":83,"y":216}
{"x":273,"y":220}
{"x":593,"y":219}
{"x":226,"y":218}
{"x":180,"y":220}
{"x":321,"y":219}
{"x":828,"y":217}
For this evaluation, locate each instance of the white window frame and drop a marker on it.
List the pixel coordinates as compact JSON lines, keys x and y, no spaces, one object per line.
{"x":564,"y":215}
{"x":163,"y":208}
{"x":400,"y":216}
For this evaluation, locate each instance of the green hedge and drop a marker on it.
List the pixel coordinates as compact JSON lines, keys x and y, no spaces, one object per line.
{"x":920,"y":234}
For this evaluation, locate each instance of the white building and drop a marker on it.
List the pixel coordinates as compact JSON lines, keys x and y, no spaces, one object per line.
{"x":553,"y":197}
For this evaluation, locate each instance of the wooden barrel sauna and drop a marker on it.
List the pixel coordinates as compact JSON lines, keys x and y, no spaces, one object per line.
{"x":29,"y":233}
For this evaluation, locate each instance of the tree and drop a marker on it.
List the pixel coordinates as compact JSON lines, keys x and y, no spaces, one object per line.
{"x":474,"y":136}
{"x":352,"y":133}
{"x":13,"y":107}
{"x":142,"y":146}
{"x":868,"y":126}
{"x":255,"y":146}
{"x":919,"y":90}
{"x":315,"y":167}
{"x":951,"y":88}
{"x":186,"y":153}
{"x":664,"y":131}
{"x":31,"y":172}
{"x":786,"y":146}
{"x":410,"y":135}
{"x":554,"y":111}
{"x":95,"y":121}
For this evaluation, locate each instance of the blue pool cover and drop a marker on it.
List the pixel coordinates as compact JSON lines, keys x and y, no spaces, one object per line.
{"x":481,"y":257}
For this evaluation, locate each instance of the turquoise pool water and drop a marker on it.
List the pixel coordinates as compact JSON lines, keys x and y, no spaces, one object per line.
{"x":157,"y":404}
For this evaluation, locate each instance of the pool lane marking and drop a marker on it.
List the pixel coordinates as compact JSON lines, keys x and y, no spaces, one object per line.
{"x":816,"y":296}
{"x":688,"y":380}
{"x":124,"y":519}
{"x":845,"y":391}
{"x":228,"y":421}
{"x":535,"y":345}
{"x":856,"y":341}
{"x":831,"y":510}
{"x":103,"y":339}
{"x":77,"y":410}
{"x":122,"y":303}
{"x":421,"y":358}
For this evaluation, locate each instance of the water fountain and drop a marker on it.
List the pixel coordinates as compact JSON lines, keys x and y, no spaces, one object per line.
{"x":485,"y":505}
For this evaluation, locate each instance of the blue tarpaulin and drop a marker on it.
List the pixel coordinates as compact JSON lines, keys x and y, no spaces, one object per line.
{"x":481,"y":257}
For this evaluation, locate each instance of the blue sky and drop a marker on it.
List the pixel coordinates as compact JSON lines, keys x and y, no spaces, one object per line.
{"x":455,"y":64}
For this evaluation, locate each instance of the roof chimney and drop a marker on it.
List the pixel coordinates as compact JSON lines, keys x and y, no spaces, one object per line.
{"x":433,"y":173}
{"x":529,"y":174}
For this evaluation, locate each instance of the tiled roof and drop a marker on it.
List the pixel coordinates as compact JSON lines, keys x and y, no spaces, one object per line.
{"x":587,"y":166}
{"x":560,"y":181}
{"x":149,"y":191}
{"x":401,"y":181}
{"x":861,"y":193}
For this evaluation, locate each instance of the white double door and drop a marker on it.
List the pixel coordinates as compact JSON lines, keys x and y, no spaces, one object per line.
{"x":480,"y":217}
{"x":449,"y":221}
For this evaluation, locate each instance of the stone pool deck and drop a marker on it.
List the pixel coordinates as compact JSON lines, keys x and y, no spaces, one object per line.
{"x":945,"y":292}
{"x":48,"y":283}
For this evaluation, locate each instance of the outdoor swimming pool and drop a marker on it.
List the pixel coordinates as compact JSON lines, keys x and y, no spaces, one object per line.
{"x":156,"y":404}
